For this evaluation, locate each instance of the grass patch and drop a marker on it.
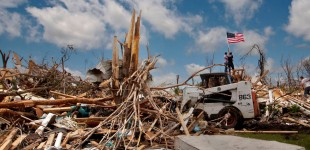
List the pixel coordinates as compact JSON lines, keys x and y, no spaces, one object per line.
{"x":296,"y":139}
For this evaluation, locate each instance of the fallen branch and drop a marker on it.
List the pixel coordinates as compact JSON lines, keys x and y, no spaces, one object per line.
{"x":185,"y":82}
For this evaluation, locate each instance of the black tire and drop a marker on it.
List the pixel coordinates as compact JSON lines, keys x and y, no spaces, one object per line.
{"x":234,"y":121}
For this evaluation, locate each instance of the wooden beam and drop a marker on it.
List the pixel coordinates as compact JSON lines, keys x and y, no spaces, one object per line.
{"x":192,"y":125}
{"x":31,"y":103}
{"x":62,"y":94}
{"x":65,"y":141}
{"x":47,"y":120}
{"x":33,"y":145}
{"x":56,"y":110}
{"x":115,"y":65}
{"x":182,"y":121}
{"x":268,"y":132}
{"x":50,"y":140}
{"x":296,"y":121}
{"x":6,"y":145}
{"x":12,"y":134}
{"x":41,"y":146}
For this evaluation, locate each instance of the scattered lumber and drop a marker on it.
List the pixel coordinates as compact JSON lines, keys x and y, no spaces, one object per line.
{"x":269,"y":132}
{"x":118,"y":109}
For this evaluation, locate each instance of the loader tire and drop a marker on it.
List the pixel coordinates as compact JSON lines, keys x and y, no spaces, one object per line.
{"x":234,"y":121}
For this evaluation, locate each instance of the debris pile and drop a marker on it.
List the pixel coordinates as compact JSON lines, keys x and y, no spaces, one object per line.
{"x":44,"y":107}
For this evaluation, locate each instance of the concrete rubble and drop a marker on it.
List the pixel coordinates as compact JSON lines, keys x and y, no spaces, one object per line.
{"x":219,"y":142}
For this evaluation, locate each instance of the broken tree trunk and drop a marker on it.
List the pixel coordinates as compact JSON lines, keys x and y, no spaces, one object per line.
{"x":115,"y":71}
{"x":128,"y":46}
{"x":135,"y":47}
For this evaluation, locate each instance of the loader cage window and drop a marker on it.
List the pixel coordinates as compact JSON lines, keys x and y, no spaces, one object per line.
{"x":215,"y":79}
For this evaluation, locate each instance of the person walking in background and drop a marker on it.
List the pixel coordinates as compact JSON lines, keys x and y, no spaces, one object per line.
{"x":230,"y":62}
{"x":225,"y":61}
{"x":305,"y":84}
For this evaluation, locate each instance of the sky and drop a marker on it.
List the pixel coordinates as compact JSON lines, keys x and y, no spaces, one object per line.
{"x":187,"y":34}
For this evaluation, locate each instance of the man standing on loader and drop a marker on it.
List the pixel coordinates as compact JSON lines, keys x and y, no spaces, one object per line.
{"x":230,"y":61}
{"x":226,"y":61}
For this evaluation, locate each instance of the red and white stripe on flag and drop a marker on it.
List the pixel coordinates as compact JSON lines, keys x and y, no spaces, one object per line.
{"x":235,"y":38}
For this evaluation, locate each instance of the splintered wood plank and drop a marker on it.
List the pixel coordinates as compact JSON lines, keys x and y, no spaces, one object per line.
{"x":56,"y":110}
{"x":182,"y":122}
{"x":18,"y":141}
{"x":50,"y":140}
{"x":115,"y":65}
{"x":65,"y":141}
{"x":41,"y":146}
{"x":192,"y":125}
{"x":6,"y":145}
{"x":11,"y":135}
{"x":31,"y":103}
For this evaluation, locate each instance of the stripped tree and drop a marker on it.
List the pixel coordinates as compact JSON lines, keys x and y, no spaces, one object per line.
{"x":261,"y":62}
{"x":5,"y":58}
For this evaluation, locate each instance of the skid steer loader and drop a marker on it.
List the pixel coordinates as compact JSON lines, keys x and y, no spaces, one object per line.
{"x":220,"y":98}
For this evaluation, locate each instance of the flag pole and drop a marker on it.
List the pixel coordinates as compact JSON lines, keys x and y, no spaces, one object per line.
{"x":228,"y":47}
{"x":227,"y":42}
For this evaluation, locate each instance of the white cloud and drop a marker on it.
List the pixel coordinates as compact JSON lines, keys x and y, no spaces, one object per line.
{"x":86,"y":24}
{"x":167,"y":79}
{"x":192,"y":68}
{"x":161,"y":62}
{"x":250,"y":69}
{"x":11,"y":3}
{"x":75,"y":72}
{"x":162,"y":16}
{"x":92,"y":24}
{"x":269,"y":64}
{"x":299,"y":17}
{"x":303,"y":46}
{"x":212,"y":40}
{"x":10,"y":23}
{"x":33,"y":33}
{"x":252,"y":37}
{"x":63,"y":27}
{"x":241,"y":9}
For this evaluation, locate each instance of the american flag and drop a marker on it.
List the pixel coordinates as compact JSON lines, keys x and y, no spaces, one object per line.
{"x":235,"y":37}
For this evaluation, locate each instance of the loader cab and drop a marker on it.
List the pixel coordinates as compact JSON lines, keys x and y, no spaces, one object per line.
{"x":210,"y":80}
